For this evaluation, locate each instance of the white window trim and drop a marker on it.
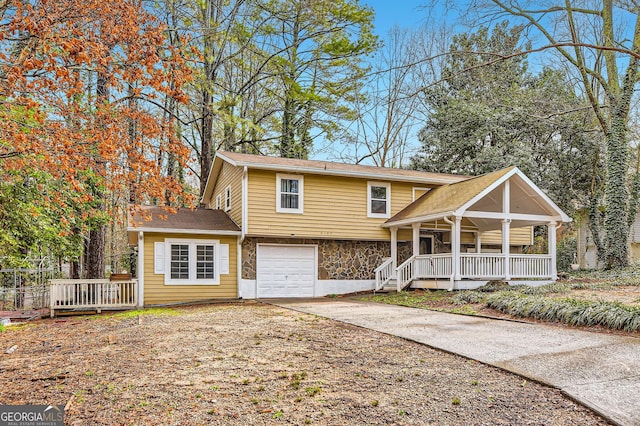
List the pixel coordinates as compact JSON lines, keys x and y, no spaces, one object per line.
{"x":387,"y":214}
{"x":300,"y":180}
{"x":227,"y":198}
{"x":417,"y":188}
{"x":192,"y":262}
{"x":218,"y":201}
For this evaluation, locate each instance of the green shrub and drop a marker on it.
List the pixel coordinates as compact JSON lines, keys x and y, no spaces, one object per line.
{"x":569,"y":311}
{"x":566,"y":252}
{"x":465,"y":297}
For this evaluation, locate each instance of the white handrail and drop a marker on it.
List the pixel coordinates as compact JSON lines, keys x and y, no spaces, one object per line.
{"x":384,"y":273}
{"x":405,"y":273}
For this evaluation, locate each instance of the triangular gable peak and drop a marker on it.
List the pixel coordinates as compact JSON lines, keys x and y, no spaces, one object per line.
{"x":485,"y":201}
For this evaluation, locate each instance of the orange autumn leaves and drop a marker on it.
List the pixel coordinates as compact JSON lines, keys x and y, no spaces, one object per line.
{"x":54,"y":56}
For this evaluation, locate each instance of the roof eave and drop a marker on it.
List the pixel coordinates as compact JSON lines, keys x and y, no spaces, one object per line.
{"x":182,"y":231}
{"x":359,"y":174}
{"x":417,"y":219}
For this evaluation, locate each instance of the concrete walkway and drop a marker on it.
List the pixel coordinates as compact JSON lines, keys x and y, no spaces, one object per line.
{"x":598,"y":370}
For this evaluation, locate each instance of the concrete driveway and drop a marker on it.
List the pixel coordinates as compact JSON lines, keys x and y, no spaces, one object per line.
{"x":600,"y":371}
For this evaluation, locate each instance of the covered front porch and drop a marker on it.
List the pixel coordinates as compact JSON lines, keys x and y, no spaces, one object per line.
{"x":486,"y":221}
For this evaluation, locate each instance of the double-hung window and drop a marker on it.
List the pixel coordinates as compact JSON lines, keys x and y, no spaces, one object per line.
{"x":192,"y":261}
{"x":378,"y":199}
{"x":289,"y":193}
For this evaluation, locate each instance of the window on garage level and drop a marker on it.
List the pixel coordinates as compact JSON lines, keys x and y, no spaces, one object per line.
{"x":378,"y":199}
{"x":192,"y":262}
{"x":289,"y":197}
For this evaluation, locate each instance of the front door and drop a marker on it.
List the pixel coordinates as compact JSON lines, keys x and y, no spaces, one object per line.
{"x":426,"y":244}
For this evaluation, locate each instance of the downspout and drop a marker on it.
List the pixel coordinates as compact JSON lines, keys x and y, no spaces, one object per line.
{"x":450,"y":222}
{"x":243,"y":228}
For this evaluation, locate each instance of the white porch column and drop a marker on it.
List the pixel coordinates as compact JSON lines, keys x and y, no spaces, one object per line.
{"x":416,"y":239}
{"x":506,"y":229}
{"x":478,"y":243}
{"x":551,"y":235}
{"x":394,"y":251}
{"x":455,"y":246}
{"x":140,"y":268}
{"x":506,"y":239}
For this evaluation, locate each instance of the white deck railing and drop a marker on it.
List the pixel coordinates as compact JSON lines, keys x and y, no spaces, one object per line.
{"x":384,"y":273}
{"x":93,"y":294}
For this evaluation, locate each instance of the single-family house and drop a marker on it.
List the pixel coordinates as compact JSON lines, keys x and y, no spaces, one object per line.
{"x":279,"y":227}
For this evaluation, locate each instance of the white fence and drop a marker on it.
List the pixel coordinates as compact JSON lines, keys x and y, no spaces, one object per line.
{"x":93,"y":294}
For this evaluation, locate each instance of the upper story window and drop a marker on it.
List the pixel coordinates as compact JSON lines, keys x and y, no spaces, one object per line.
{"x":219,"y":202}
{"x":227,"y":199}
{"x":289,"y":193}
{"x":378,"y":199}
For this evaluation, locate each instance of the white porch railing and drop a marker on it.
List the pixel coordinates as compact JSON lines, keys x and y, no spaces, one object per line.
{"x":93,"y":294}
{"x":481,"y":265}
{"x":384,"y":273}
{"x":474,"y":266}
{"x":433,"y":266}
{"x":531,"y":266}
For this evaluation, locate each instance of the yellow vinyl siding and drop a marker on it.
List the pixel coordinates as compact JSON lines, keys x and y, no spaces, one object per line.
{"x":155,"y":292}
{"x":229,"y":175}
{"x":518,"y":236}
{"x":334,"y":207}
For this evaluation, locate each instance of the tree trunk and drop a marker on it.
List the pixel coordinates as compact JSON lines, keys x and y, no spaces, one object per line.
{"x":95,"y":253}
{"x":206,"y":110}
{"x":288,"y":139}
{"x":616,"y":196}
{"x":97,"y":235}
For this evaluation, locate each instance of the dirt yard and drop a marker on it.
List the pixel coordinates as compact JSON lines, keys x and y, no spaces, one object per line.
{"x":249,"y":363}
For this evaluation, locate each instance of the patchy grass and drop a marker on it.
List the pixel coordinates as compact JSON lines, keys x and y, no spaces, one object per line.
{"x":147,"y":311}
{"x":412,"y":299}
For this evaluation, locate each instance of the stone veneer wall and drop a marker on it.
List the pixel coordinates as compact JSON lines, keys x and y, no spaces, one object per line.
{"x":337,"y":259}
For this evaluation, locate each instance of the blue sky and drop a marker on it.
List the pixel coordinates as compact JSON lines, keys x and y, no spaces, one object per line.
{"x":405,"y":13}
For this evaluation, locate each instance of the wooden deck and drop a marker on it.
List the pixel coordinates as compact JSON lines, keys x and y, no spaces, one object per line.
{"x":98,"y":295}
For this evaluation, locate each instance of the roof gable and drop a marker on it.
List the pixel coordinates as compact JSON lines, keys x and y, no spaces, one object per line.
{"x":483,"y":194}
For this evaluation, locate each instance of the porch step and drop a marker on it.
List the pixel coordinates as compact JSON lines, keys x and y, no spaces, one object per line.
{"x":390,"y":287}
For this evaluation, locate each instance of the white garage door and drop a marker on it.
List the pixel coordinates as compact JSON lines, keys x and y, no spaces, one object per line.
{"x":286,"y":271}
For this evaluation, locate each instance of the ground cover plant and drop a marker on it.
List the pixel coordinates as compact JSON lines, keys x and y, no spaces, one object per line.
{"x":249,"y":363}
{"x":604,"y":299}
